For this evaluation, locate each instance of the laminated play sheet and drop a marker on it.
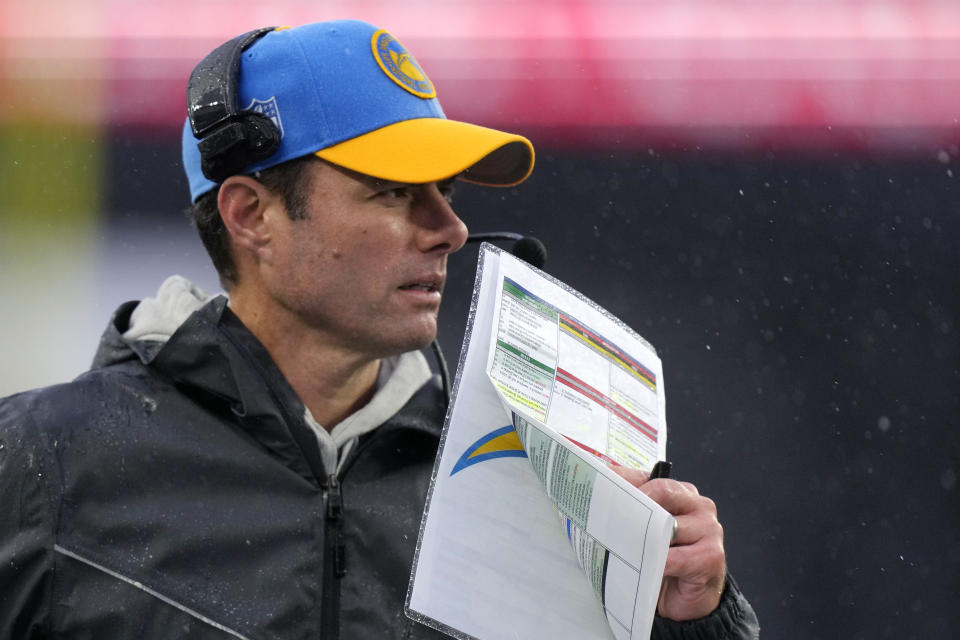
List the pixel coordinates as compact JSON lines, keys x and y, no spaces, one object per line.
{"x":527,"y":532}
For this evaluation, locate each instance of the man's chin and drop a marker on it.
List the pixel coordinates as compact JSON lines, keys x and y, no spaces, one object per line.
{"x":423,"y":342}
{"x":414,"y":341}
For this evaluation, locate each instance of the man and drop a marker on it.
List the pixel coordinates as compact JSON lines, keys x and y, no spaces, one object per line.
{"x":258,"y":468}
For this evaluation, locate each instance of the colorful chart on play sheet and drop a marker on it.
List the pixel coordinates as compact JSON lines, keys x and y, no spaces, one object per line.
{"x":527,"y":531}
{"x":554,"y":366}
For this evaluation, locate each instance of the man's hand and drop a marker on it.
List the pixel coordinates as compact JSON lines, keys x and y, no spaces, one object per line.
{"x":696,"y":563}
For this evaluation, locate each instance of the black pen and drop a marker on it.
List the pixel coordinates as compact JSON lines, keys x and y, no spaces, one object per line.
{"x":661,"y":470}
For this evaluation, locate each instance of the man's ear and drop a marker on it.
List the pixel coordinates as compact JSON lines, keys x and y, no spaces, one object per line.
{"x":243,"y":203}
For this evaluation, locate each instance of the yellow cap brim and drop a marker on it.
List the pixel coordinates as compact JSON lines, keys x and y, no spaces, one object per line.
{"x":433,"y":149}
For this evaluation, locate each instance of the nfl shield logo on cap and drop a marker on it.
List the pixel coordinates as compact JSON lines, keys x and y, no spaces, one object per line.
{"x":269,"y":109}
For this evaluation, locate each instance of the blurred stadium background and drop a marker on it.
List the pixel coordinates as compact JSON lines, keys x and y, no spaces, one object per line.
{"x":766,"y":190}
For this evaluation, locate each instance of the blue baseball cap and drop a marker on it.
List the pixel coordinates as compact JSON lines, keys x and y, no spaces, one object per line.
{"x":351,"y":94}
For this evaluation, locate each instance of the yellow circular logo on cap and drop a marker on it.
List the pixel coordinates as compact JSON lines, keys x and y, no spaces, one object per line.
{"x":400,"y":66}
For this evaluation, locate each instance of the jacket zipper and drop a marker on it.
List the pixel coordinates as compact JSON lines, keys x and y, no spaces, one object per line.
{"x":334,"y":567}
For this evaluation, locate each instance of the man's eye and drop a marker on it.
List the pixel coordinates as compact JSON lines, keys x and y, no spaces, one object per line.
{"x":396,"y":193}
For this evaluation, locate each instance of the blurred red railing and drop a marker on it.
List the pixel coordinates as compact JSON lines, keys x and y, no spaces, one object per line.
{"x":726,"y":73}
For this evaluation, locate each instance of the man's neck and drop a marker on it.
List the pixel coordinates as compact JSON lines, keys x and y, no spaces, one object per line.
{"x":331,"y":381}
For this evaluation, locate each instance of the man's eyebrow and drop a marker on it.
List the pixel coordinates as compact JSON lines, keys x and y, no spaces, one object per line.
{"x":366,"y":179}
{"x":379,"y":184}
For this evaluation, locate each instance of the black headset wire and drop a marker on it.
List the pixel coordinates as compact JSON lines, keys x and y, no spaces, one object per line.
{"x":444,"y":371}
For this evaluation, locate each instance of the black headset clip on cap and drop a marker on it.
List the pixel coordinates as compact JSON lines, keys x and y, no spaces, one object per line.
{"x":230,"y":140}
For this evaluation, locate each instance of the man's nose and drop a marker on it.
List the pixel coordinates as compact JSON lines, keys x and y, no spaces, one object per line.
{"x":444,"y":230}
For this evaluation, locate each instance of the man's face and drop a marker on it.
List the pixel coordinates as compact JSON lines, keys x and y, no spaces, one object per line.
{"x":367,"y":267}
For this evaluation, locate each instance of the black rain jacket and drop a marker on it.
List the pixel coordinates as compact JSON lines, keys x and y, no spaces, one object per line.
{"x":175,"y":491}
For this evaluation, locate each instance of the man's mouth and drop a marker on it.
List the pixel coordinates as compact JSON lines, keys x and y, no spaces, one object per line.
{"x":429,"y":287}
{"x":428,"y":284}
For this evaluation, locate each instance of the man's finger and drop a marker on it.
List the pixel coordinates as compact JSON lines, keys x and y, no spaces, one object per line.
{"x":693,"y":528}
{"x":636,"y":477}
{"x":676,"y":497}
{"x":696,"y":562}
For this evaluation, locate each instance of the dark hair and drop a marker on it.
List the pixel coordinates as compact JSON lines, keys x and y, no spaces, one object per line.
{"x":284,"y":179}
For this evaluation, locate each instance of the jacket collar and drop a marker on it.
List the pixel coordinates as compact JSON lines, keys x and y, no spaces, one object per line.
{"x":212,"y":354}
